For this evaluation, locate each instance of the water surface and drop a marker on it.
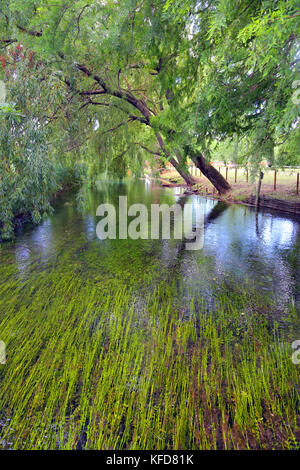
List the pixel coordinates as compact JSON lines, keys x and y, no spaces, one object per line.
{"x":240,"y":247}
{"x":134,"y":344}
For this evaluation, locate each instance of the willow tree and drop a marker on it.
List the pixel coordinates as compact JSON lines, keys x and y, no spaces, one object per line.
{"x":27,"y":173}
{"x":135,"y":52}
{"x":178,"y":74}
{"x":247,"y":88}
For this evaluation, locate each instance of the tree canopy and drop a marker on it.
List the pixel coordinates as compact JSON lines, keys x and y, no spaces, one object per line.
{"x":113,"y":83}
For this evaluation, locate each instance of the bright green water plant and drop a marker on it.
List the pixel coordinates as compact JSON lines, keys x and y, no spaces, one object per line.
{"x":101,"y":367}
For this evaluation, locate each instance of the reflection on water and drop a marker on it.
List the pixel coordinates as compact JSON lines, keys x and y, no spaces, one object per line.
{"x":238,"y":246}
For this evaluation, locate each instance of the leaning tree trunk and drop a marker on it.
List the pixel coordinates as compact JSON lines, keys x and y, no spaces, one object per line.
{"x":216,"y":179}
{"x":180,"y":168}
{"x":183,"y":171}
{"x":209,"y":171}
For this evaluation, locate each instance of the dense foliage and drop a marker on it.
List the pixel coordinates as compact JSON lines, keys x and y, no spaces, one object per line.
{"x":116,"y":83}
{"x":32,"y":167}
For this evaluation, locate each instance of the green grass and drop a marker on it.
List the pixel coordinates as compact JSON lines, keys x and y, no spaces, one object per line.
{"x":100,"y":367}
{"x":286,"y":177}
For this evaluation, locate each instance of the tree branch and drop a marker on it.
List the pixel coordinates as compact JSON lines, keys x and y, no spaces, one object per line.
{"x":148,"y":150}
{"x":36,"y":34}
{"x":78,"y":21}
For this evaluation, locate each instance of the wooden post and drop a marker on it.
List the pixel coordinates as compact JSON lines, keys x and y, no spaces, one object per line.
{"x":261,"y":175}
{"x":247,"y":175}
{"x":275,"y":176}
{"x":235,"y":175}
{"x":226,"y":173}
{"x":297,"y":187}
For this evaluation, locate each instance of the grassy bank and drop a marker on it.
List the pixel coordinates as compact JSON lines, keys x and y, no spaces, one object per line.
{"x":240,"y":190}
{"x":100,"y":367}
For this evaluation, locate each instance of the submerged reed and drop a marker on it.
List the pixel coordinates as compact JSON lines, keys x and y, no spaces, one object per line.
{"x":100,"y":366}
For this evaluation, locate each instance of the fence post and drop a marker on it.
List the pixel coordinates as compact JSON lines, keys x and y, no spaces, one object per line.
{"x":247,"y":175}
{"x":261,"y":175}
{"x":275,"y":176}
{"x":235,"y":175}
{"x":297,"y":187}
{"x":226,"y":173}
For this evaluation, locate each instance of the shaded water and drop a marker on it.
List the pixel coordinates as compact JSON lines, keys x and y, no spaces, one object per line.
{"x":240,"y":248}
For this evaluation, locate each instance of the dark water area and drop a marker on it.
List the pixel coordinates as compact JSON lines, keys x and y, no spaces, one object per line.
{"x":241,"y":248}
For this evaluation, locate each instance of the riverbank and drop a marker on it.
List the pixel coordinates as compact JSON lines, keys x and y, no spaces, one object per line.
{"x":21,"y":220}
{"x":284,"y":199}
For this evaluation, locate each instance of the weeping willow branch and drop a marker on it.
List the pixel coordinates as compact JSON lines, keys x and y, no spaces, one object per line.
{"x":147,"y":150}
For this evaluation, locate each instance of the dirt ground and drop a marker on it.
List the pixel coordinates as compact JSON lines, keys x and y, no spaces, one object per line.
{"x":241,"y":190}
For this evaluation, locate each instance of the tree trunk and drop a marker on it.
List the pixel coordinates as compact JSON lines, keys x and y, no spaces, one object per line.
{"x":181,"y":169}
{"x":211,"y":173}
{"x":208,"y":170}
{"x":184,"y":173}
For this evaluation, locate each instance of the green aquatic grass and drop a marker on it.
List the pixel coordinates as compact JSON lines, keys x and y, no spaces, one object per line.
{"x":104,"y":367}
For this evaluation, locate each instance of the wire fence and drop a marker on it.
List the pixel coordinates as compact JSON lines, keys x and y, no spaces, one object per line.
{"x":238,"y":174}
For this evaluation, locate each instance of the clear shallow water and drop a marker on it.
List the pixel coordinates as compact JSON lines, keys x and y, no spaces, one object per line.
{"x":106,"y":341}
{"x":240,"y":248}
